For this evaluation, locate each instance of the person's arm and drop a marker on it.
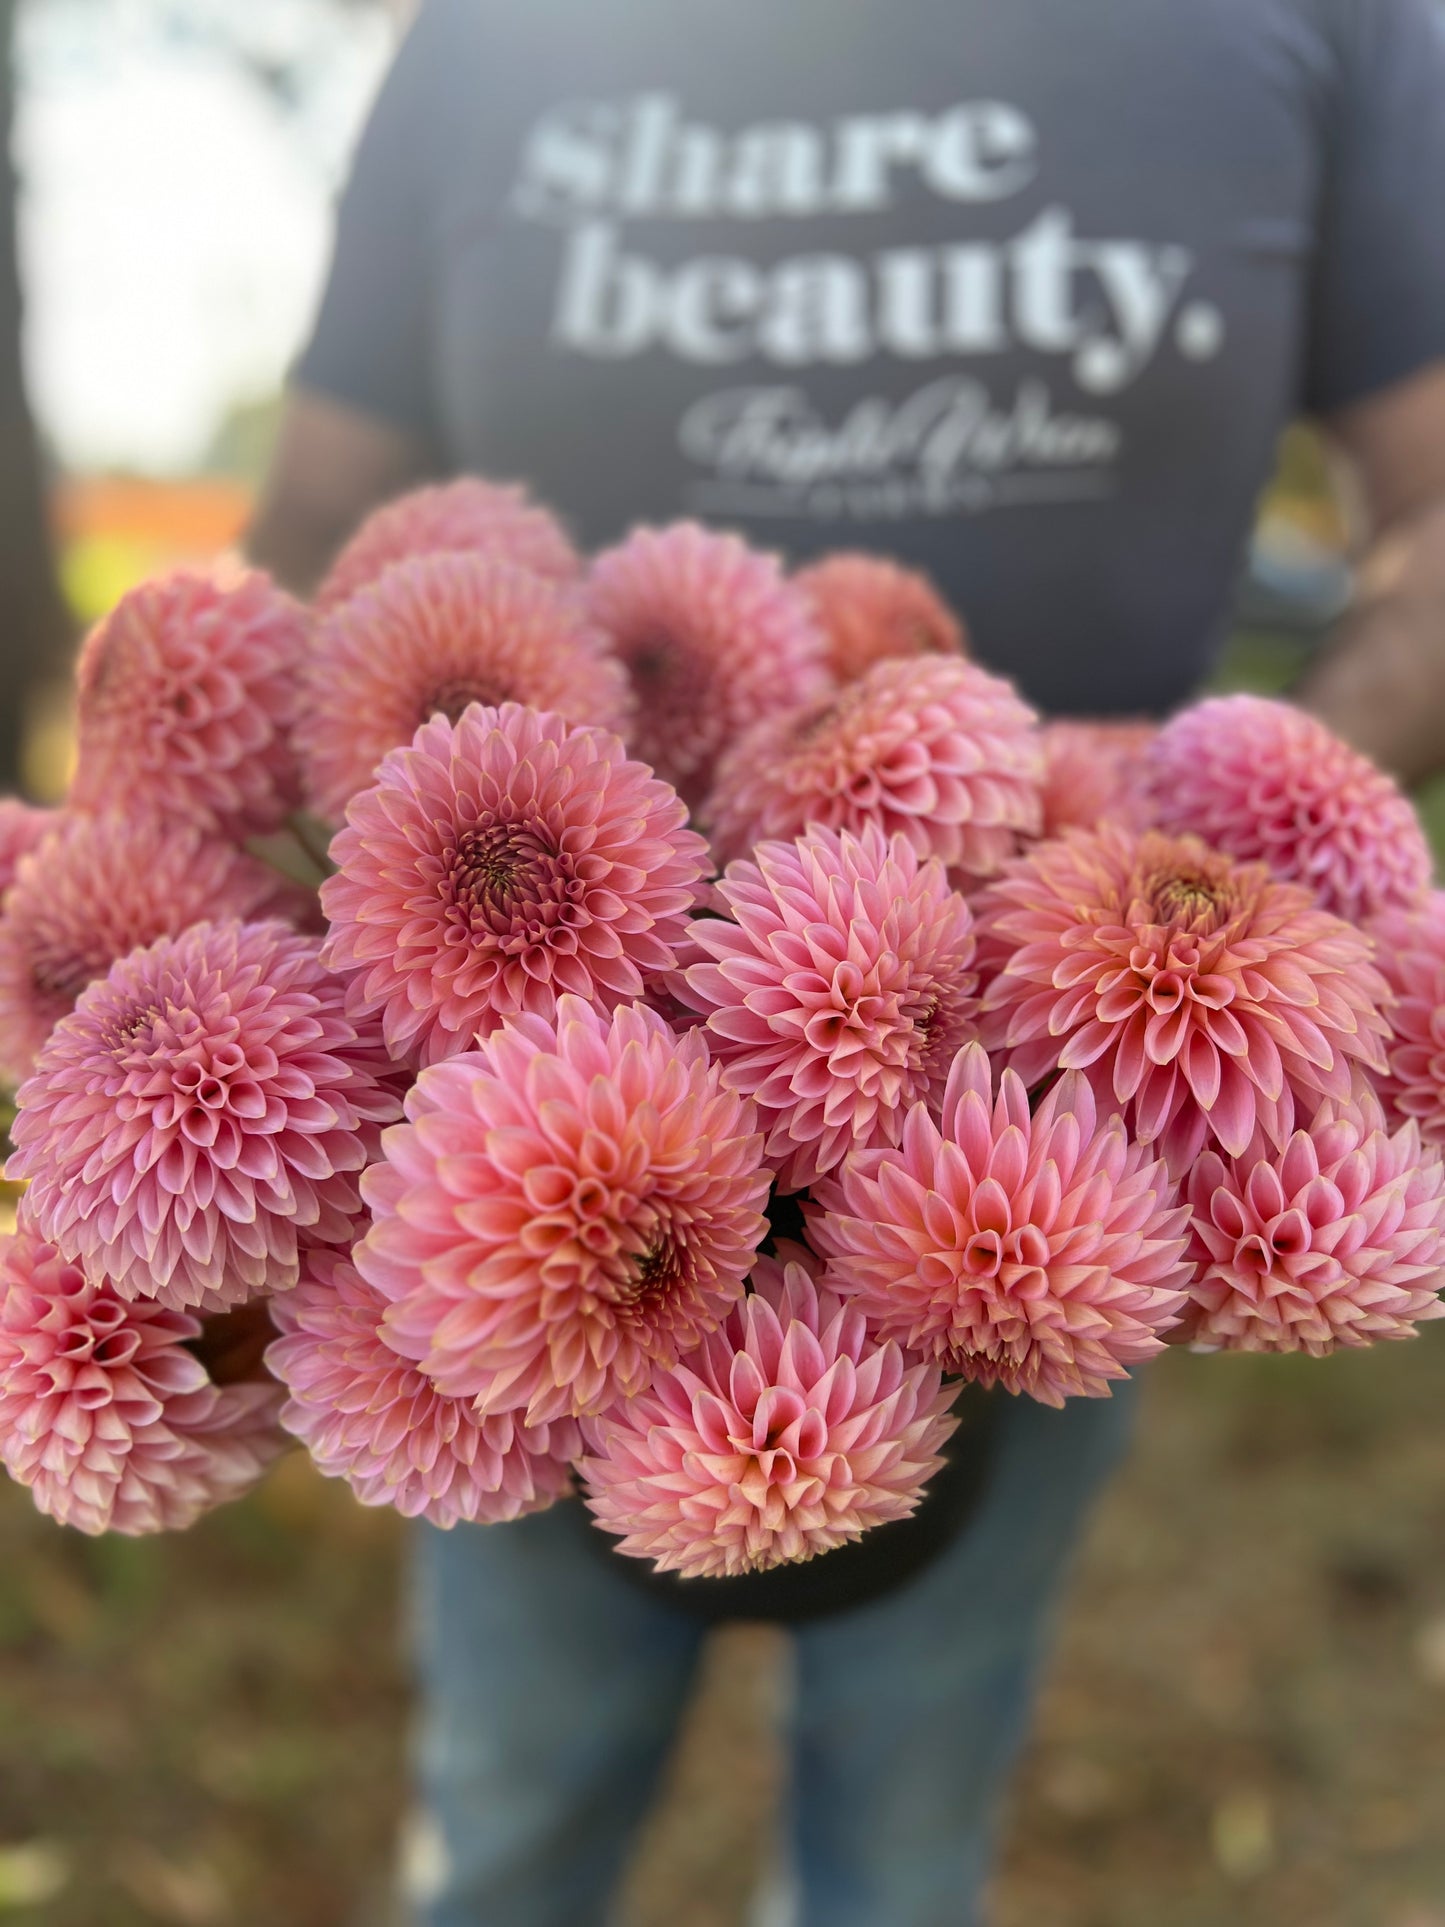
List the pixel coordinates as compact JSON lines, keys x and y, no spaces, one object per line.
{"x":1380,"y":682}
{"x":333,"y":463}
{"x":359,"y":423}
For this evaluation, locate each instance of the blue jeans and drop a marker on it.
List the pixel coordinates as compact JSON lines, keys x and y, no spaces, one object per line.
{"x":551,"y":1689}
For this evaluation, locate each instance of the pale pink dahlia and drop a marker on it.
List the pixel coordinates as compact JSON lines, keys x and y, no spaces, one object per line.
{"x":714,"y":637}
{"x":499,"y":862}
{"x":368,"y":1416}
{"x":202,"y":1114}
{"x":467,"y":515}
{"x":837,"y":994}
{"x":186,"y":697}
{"x":788,"y":1432}
{"x":99,"y":887}
{"x":1338,"y":1239}
{"x":1042,"y":1253}
{"x":870,"y":608}
{"x":428,"y":637}
{"x":1269,"y":784}
{"x":21,"y":828}
{"x":566,"y":1206}
{"x":107,"y":1412}
{"x":1091,"y":773}
{"x":1199,"y":993}
{"x":933,"y":749}
{"x":1410,"y":950}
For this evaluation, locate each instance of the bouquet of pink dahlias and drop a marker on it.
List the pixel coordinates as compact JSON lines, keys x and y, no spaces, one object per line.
{"x":665,"y":1030}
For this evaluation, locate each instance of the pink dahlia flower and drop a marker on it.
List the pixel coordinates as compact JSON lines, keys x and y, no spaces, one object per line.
{"x":1268,"y":784}
{"x":99,"y":887}
{"x":837,"y":994}
{"x":1338,"y":1239}
{"x":1091,"y":774}
{"x":1410,"y":950}
{"x":714,"y":637}
{"x":788,"y":1432}
{"x":566,"y":1206}
{"x":1199,"y":993}
{"x":106,"y":1411}
{"x":186,"y":697}
{"x":429,"y":637}
{"x":935,"y":750}
{"x":498,"y":863}
{"x":202,"y":1113}
{"x":870,"y":609}
{"x":1042,"y":1253}
{"x":21,"y":828}
{"x":468,"y":515}
{"x":368,"y":1416}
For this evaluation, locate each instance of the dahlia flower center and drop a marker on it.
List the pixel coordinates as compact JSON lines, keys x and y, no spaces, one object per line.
{"x":506,"y":873}
{"x":659,"y":1270}
{"x":659,"y":667}
{"x":453,"y":698}
{"x":813,"y":722}
{"x":1192,"y":895}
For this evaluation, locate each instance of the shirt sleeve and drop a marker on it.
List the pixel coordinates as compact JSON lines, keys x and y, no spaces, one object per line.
{"x":371,"y":343}
{"x":1378,"y":312}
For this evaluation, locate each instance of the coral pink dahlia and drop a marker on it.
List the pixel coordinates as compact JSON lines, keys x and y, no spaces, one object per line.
{"x":714,"y":637}
{"x":566,"y":1206}
{"x":428,"y":637}
{"x":186,"y":696}
{"x":936,"y":750}
{"x":201,"y":1114}
{"x":870,"y":608}
{"x":468,"y":515}
{"x":1269,"y":784}
{"x":21,"y":828}
{"x":1091,"y":773}
{"x":1040,"y":1253}
{"x":499,"y":862}
{"x":98,"y":887}
{"x":1198,"y":992}
{"x":1338,"y":1239}
{"x":837,"y":994}
{"x":106,"y":1411}
{"x":1410,"y":950}
{"x":368,"y":1416}
{"x":788,"y":1432}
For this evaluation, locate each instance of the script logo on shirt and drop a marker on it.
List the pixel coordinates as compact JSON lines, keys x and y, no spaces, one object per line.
{"x":1099,"y":310}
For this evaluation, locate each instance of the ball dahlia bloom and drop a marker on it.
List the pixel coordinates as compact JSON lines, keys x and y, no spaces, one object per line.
{"x":1200,"y":995}
{"x":1410,"y":950}
{"x":107,"y":1413}
{"x":368,"y":1416}
{"x":201,"y":1115}
{"x":430,"y":636}
{"x":935,"y":750}
{"x":499,"y":863}
{"x":186,"y":694}
{"x":466,"y":515}
{"x":99,"y":887}
{"x":567,"y":1205}
{"x":1268,"y":784}
{"x":870,"y":608}
{"x":790,"y":1431}
{"x":21,"y":827}
{"x":1338,"y":1239}
{"x":1042,"y":1253}
{"x":714,"y":638}
{"x":1091,"y":773}
{"x":838,"y":992}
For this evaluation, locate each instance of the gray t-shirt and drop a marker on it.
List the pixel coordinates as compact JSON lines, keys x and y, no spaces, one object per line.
{"x":1020,"y":291}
